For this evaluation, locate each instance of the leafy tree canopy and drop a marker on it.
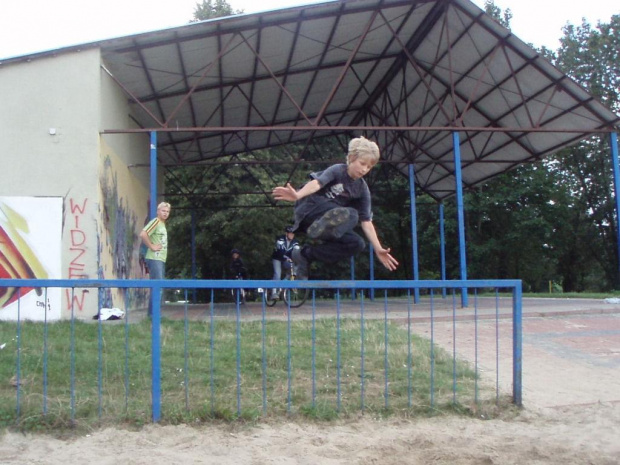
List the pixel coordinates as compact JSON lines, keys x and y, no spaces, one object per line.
{"x":210,"y":9}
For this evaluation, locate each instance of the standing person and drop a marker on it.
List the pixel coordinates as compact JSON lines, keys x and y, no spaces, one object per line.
{"x":155,"y":237}
{"x":331,"y":204}
{"x":239,"y":271}
{"x":282,"y":253}
{"x":237,"y":266}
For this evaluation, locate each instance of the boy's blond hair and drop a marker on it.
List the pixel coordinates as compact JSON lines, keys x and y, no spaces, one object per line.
{"x":163,"y":204}
{"x":360,"y":147}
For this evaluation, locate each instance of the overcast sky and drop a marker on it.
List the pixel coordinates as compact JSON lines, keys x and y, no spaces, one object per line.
{"x":28,"y":26}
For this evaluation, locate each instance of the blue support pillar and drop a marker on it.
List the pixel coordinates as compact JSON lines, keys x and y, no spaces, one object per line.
{"x":156,"y":353}
{"x":153,"y":205}
{"x":613,"y":142}
{"x":156,"y":300}
{"x":461,"y":216}
{"x":517,"y":346}
{"x":414,"y":233}
{"x":442,"y":247}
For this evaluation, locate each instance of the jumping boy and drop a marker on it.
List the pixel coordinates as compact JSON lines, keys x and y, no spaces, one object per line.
{"x":328,"y":207}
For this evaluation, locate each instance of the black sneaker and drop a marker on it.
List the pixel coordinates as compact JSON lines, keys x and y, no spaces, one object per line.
{"x":301,"y":263}
{"x":326,"y":224}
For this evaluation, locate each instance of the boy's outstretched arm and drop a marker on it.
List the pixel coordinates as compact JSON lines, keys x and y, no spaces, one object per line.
{"x":290,"y":194}
{"x":382,"y":254}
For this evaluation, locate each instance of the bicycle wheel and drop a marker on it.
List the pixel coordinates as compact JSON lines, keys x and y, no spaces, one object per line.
{"x":296,"y":297}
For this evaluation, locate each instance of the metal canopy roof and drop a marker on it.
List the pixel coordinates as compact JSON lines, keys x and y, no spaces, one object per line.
{"x":403,"y":72}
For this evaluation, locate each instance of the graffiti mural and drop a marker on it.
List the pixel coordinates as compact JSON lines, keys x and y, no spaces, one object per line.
{"x":30,"y":248}
{"x":121,"y":197}
{"x":75,"y":211}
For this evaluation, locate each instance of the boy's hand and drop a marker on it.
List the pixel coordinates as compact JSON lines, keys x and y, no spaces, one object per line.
{"x":285,"y":193}
{"x":386,"y":259}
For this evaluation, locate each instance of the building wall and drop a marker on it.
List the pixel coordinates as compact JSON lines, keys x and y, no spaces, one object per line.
{"x":123,"y":197}
{"x":54,"y":109}
{"x":47,"y":105}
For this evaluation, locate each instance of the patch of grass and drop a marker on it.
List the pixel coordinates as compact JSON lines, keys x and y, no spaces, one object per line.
{"x":82,"y":375}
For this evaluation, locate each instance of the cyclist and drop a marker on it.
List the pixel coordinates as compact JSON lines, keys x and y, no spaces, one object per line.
{"x":282,"y":255}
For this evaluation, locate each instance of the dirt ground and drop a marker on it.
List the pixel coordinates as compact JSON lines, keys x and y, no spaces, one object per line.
{"x":571,"y":413}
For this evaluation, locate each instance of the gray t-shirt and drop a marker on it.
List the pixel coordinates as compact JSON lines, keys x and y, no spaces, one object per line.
{"x":339,"y":188}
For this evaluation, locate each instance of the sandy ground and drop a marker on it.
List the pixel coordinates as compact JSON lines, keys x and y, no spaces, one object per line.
{"x":571,"y":415}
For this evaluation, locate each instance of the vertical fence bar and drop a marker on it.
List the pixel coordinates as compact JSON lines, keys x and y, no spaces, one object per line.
{"x":186,"y":353}
{"x":156,"y":352}
{"x":476,"y":346}
{"x":409,"y":354}
{"x":497,"y":346}
{"x":432,"y":373}
{"x":212,"y":350}
{"x":99,"y":364}
{"x":362,"y":347}
{"x":238,"y":337}
{"x":338,"y":343}
{"x":313,"y":348}
{"x":45,"y":354}
{"x":72,"y":355}
{"x":289,"y":364}
{"x":18,"y":374}
{"x":517,"y":341}
{"x":386,"y":366}
{"x":264,"y":352}
{"x":453,"y":349}
{"x":127,"y":316}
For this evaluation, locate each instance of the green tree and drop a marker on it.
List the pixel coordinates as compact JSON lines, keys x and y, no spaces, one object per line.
{"x":591,"y":56}
{"x":210,"y":9}
{"x":496,"y":13}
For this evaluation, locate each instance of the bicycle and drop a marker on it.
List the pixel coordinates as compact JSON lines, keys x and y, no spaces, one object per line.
{"x":292,"y":297}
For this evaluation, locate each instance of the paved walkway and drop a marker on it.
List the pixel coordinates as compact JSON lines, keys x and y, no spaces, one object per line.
{"x":440,"y":308}
{"x":571,"y":350}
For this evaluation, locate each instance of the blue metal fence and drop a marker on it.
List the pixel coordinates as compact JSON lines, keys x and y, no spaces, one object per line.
{"x":396,"y":304}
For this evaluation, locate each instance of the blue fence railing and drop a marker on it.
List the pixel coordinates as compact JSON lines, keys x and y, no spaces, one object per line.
{"x":385,"y":317}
